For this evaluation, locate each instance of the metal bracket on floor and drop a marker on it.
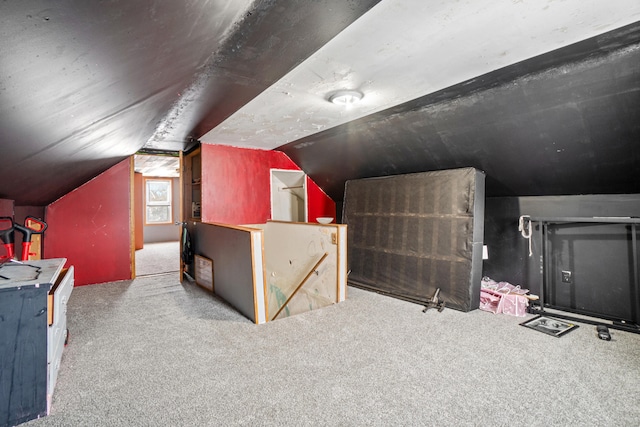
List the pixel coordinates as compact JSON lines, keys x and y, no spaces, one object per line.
{"x":434,"y":302}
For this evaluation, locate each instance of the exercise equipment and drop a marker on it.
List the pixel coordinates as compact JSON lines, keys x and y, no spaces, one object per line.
{"x":32,"y":225}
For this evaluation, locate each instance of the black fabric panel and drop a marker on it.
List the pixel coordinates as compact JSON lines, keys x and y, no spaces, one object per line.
{"x":23,"y":354}
{"x":411,"y":234}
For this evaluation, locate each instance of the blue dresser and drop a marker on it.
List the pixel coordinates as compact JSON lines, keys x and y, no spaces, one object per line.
{"x":33,"y":330}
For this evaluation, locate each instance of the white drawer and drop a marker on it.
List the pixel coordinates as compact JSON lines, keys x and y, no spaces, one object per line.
{"x":59,"y":296}
{"x":54,"y":357}
{"x":57,"y":332}
{"x":55,"y":340}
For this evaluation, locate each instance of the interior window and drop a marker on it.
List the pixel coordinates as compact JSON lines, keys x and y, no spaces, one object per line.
{"x":158,"y":201}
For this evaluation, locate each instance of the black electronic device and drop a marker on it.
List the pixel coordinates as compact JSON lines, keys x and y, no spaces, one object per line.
{"x":603,"y":332}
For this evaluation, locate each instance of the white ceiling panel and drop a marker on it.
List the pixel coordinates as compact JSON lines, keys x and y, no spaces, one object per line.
{"x":404,"y":49}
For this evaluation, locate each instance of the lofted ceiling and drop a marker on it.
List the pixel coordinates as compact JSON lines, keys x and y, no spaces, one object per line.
{"x":158,"y":166}
{"x":542,"y":96}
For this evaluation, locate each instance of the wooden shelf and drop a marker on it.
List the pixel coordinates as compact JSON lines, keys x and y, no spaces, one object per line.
{"x":192,"y":191}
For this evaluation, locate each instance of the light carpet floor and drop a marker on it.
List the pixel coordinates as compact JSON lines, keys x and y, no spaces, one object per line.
{"x":154,"y":352}
{"x":158,"y":258}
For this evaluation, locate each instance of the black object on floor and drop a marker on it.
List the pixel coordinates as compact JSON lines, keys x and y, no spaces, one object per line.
{"x":619,"y":325}
{"x":603,"y":332}
{"x":549,"y":325}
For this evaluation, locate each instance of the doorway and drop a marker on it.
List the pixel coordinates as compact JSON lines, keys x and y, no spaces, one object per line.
{"x":288,"y":195}
{"x":158,"y":258}
{"x":157,"y":207}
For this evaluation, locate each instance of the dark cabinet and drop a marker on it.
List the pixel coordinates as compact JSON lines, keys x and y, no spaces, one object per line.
{"x":33,"y":330}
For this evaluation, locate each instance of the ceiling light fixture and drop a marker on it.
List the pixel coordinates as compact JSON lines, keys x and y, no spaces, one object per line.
{"x":346,"y":97}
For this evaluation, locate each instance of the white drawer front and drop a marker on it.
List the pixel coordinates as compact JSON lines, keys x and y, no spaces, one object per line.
{"x":57,"y":332}
{"x":61,"y":296}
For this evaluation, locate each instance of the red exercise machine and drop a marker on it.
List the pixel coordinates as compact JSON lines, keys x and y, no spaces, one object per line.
{"x":32,"y":225}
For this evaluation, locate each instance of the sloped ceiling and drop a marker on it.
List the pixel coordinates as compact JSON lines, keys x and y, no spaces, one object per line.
{"x":83,"y":84}
{"x":545,"y":98}
{"x":566,"y":122}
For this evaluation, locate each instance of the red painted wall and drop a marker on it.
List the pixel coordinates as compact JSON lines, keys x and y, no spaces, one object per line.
{"x":6,"y":208}
{"x":236,"y":185}
{"x":319,"y":203}
{"x":90,"y":226}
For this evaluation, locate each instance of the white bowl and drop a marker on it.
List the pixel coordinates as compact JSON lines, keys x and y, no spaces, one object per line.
{"x":324,"y":219}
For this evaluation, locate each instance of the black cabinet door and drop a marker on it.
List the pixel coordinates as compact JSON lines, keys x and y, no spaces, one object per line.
{"x":23,"y":354}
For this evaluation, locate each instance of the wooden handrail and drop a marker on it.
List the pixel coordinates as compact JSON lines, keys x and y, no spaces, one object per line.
{"x":315,"y":267}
